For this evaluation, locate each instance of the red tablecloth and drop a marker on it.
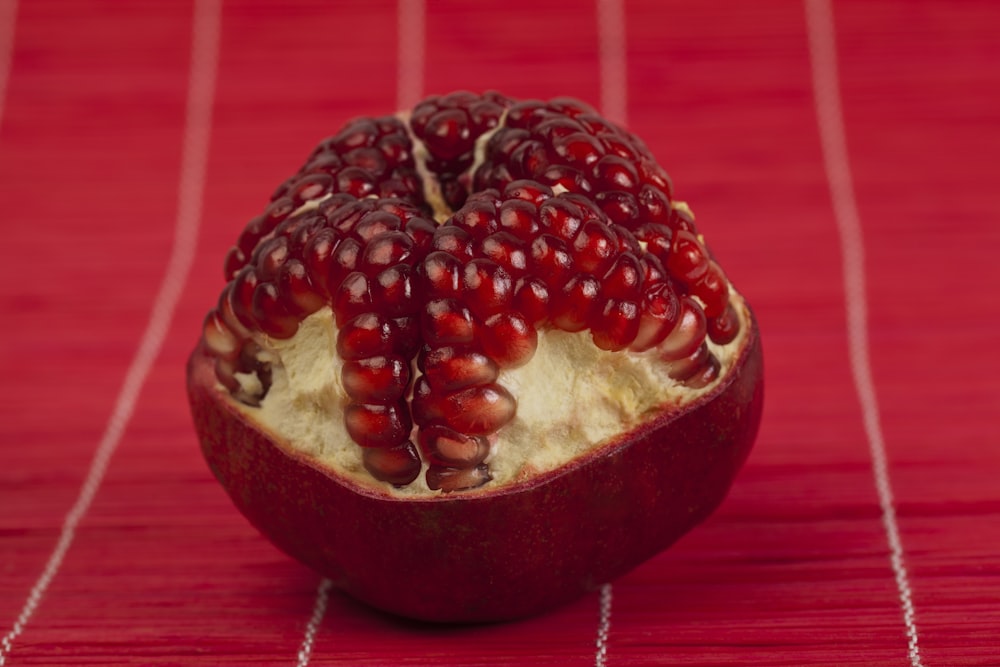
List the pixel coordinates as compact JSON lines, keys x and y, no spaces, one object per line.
{"x":843,"y":164}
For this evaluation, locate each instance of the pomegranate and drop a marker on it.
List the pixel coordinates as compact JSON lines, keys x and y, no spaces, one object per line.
{"x":474,"y":360}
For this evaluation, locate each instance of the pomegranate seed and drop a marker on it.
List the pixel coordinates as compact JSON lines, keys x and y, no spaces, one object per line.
{"x":447,"y":134}
{"x":279,"y":209}
{"x":705,"y":375}
{"x":423,"y":403}
{"x":224,"y":308}
{"x":550,"y":257}
{"x":380,"y":379}
{"x":398,"y":465}
{"x":444,"y":446}
{"x":531,"y":298}
{"x":352,"y":298}
{"x":296,"y":289}
{"x":270,"y":312}
{"x":502,"y":145}
{"x":579,"y":148}
{"x":618,"y":325}
{"x":450,"y":368}
{"x":377,"y":424}
{"x":570,"y":178}
{"x":477,"y":410}
{"x":684,"y":367}
{"x":531,"y":157}
{"x":343,"y":260}
{"x":392,"y":291}
{"x":421,"y":231}
{"x":613,"y":173}
{"x":323,"y":161}
{"x":344,"y":215}
{"x":453,"y":240}
{"x":661,"y":310}
{"x":478,"y":217}
{"x":355,"y":181}
{"x":519,"y":217}
{"x":484,"y":115}
{"x":218,"y":337}
{"x":446,"y":322}
{"x":574,"y":306}
{"x":622,"y":208}
{"x":385,"y":249}
{"x":442,"y":478}
{"x":595,"y":247}
{"x":652,"y":173}
{"x":367,"y":335}
{"x":316,"y":256}
{"x":422,"y":114}
{"x":487,"y":287}
{"x":724,"y":328}
{"x":235,"y":260}
{"x":713,"y":290}
{"x":557,"y":128}
{"x":251,"y":235}
{"x":652,"y":270}
{"x":375,"y":224}
{"x":523,"y":113}
{"x":628,"y":242}
{"x":241,"y":297}
{"x":617,"y":144}
{"x":561,"y":217}
{"x":269,"y":257}
{"x":625,"y":278}
{"x":653,"y":205}
{"x":300,"y":229}
{"x":527,"y":190}
{"x":687,"y":334}
{"x":309,"y":186}
{"x":371,"y":160}
{"x":509,"y":339}
{"x":687,"y":260}
{"x":441,"y":273}
{"x":506,"y":250}
{"x":359,"y":132}
{"x":596,"y":125}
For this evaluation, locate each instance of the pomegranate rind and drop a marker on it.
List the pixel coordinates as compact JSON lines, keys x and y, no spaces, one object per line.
{"x":493,"y":554}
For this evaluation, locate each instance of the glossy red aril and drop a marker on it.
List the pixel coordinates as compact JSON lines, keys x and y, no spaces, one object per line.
{"x":441,"y":264}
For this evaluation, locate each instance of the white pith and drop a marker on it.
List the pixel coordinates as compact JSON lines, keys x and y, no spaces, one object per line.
{"x":571,"y":396}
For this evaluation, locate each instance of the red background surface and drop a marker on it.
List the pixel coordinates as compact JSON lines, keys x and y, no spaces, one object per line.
{"x":794,"y":569}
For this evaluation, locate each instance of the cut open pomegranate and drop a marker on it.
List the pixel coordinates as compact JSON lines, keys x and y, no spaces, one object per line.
{"x":476,"y":359}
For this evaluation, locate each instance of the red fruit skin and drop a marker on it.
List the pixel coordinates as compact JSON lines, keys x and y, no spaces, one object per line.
{"x":489,"y":554}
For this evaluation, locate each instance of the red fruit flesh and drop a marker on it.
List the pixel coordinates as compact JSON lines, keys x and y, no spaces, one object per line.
{"x":417,"y":278}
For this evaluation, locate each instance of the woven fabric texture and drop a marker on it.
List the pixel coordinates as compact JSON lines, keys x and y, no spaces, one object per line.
{"x":841,"y":158}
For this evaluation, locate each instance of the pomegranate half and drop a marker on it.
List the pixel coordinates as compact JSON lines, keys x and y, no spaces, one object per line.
{"x":475,"y":360}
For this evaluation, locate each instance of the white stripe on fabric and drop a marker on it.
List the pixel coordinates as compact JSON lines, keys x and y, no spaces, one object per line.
{"x":611,"y":47}
{"x":201,"y":88}
{"x":410,"y":69}
{"x":312,"y":627}
{"x":8,"y":20}
{"x":603,"y":627}
{"x":823,"y":53}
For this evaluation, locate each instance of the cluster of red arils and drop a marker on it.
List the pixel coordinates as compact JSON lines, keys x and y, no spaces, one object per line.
{"x":561,"y":220}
